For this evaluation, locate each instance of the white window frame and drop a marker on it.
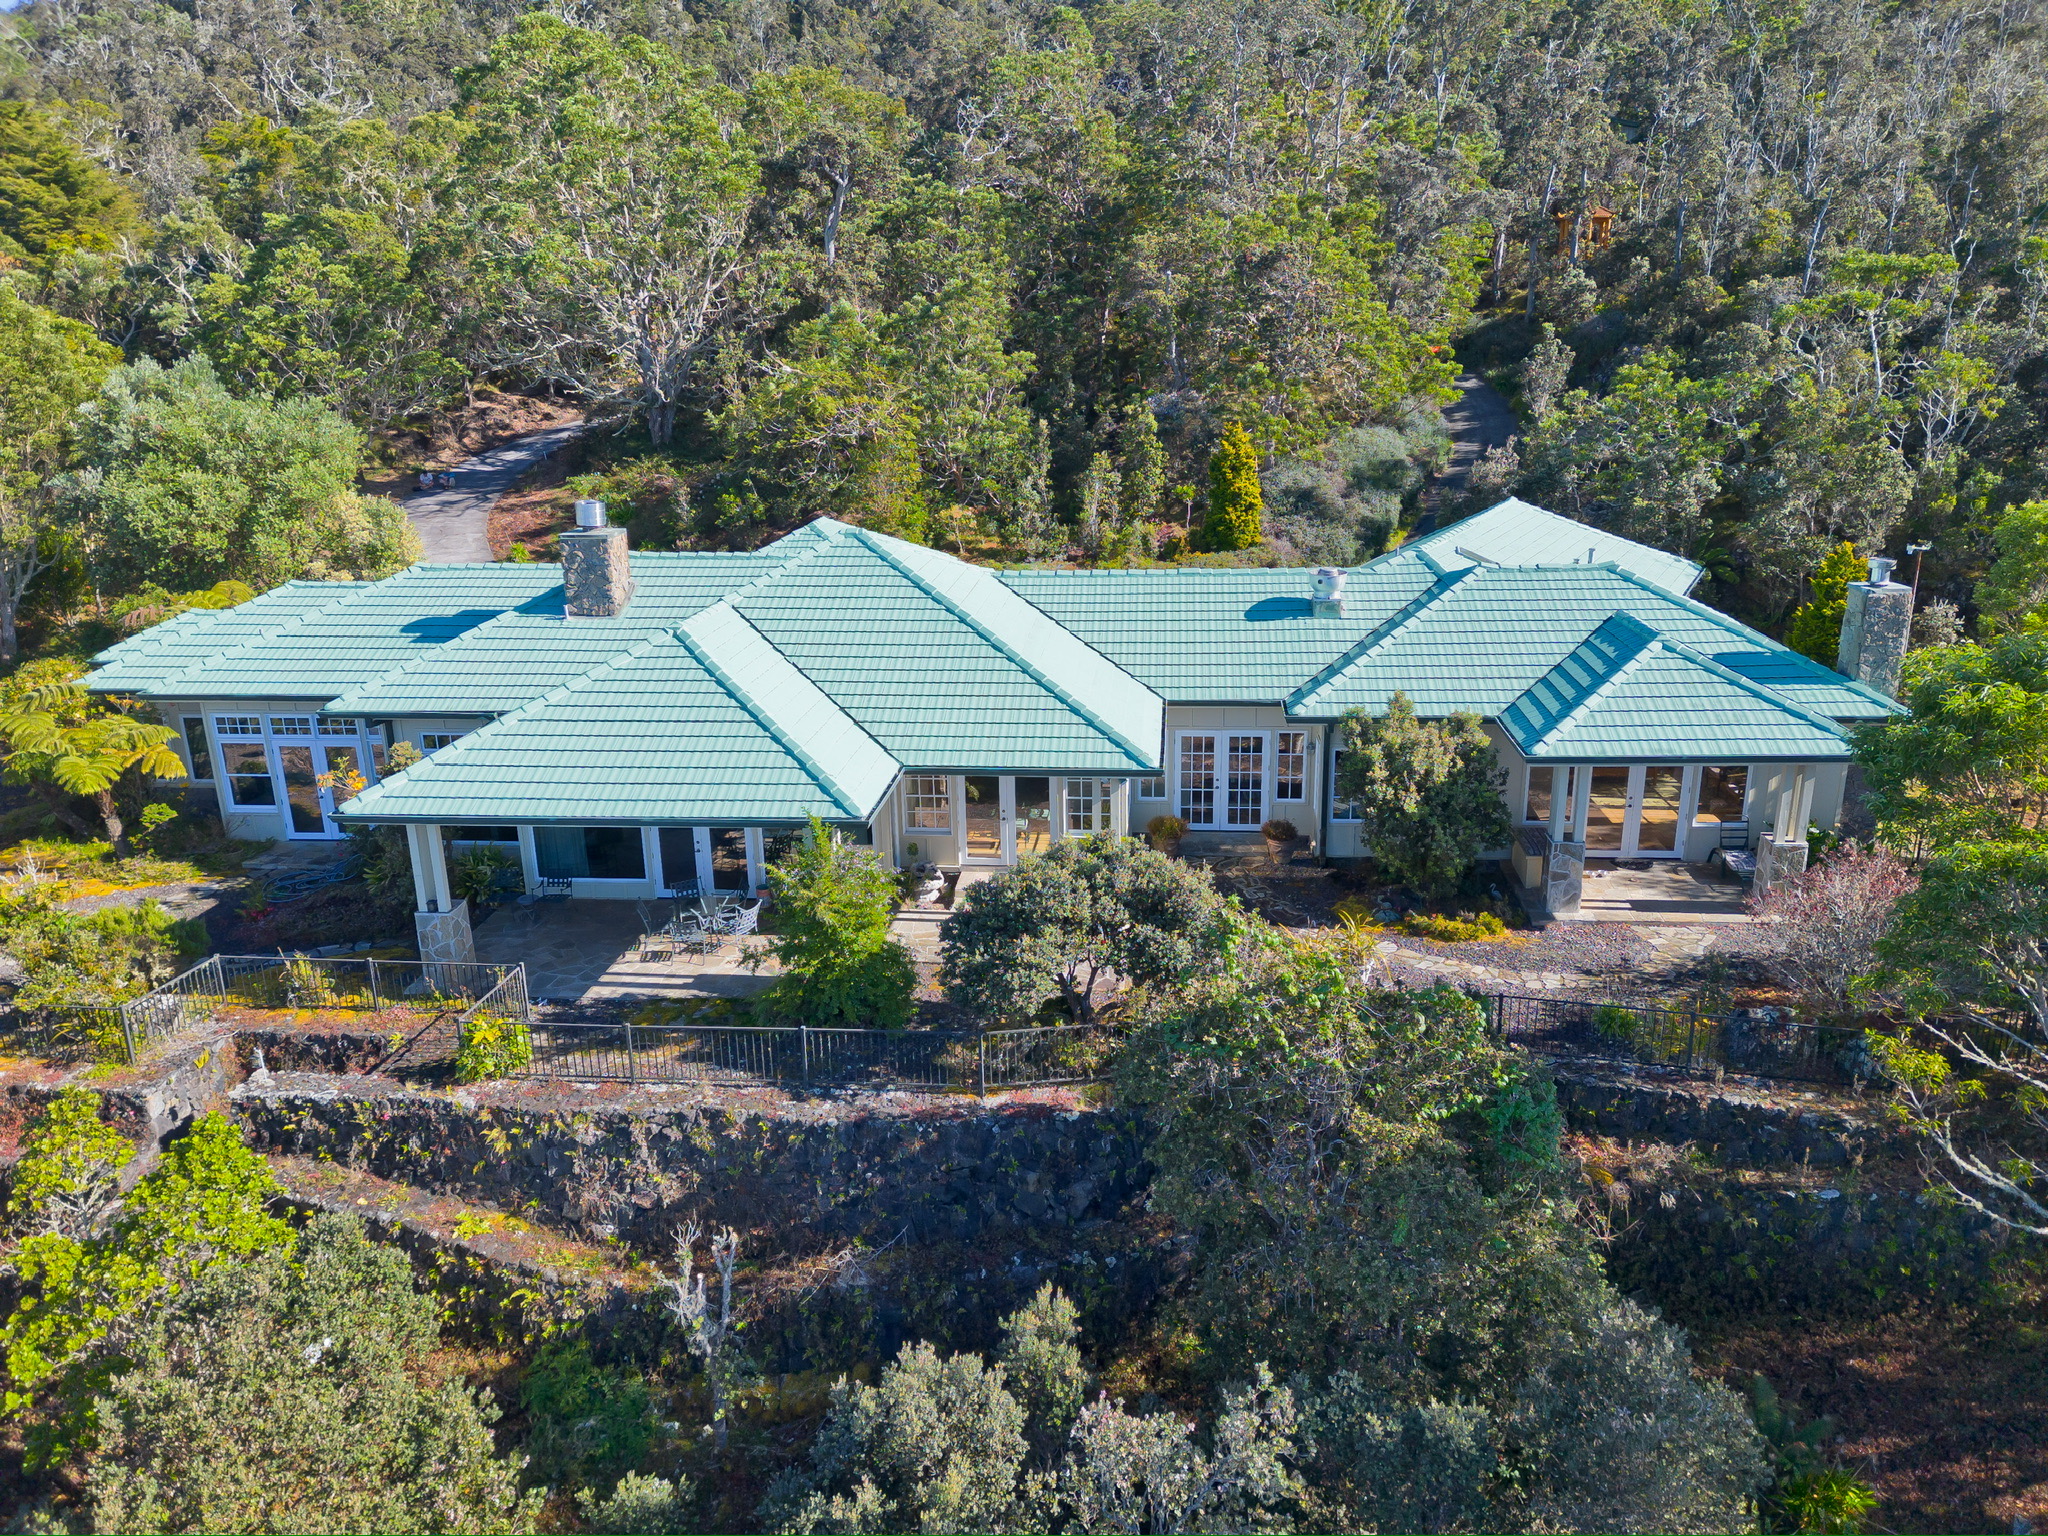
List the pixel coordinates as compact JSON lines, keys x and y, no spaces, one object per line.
{"x":918,"y":800}
{"x":1092,"y":800}
{"x":1299,"y":755}
{"x":1151,"y":786}
{"x":1698,"y":774}
{"x":1340,"y":810}
{"x":1180,"y":790}
{"x":434,"y":741}
{"x":292,"y":727}
{"x":238,"y":727}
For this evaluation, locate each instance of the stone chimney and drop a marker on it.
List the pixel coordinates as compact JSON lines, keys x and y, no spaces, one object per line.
{"x":1877,"y":625}
{"x":597,"y":582}
{"x":1328,"y":602}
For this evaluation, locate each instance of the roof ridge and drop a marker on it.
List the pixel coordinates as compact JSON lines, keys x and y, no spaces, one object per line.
{"x":1647,"y":640}
{"x":1031,"y":670}
{"x":825,"y":781}
{"x":1389,"y":628}
{"x":1742,"y":631}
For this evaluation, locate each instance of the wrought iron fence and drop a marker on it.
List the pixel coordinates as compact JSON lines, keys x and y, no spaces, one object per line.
{"x":1761,"y":1042}
{"x":265,"y":981}
{"x":742,"y":1055}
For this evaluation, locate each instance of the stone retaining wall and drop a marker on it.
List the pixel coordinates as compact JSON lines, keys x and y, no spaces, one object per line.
{"x":939,"y":1172}
{"x":1739,"y":1127}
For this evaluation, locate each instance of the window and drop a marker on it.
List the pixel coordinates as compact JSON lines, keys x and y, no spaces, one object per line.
{"x":678,"y":858}
{"x":729,"y":870}
{"x":1152,"y":789}
{"x":1340,"y":810}
{"x":1245,"y":792}
{"x":1722,"y":793}
{"x":589,"y":853}
{"x":195,"y":747}
{"x":484,"y":834}
{"x":434,"y":741}
{"x":1536,"y":803}
{"x":237,"y":725}
{"x":1198,"y":780}
{"x":339,"y":725}
{"x":1290,"y":765}
{"x":291,"y":725}
{"x":927,"y":802}
{"x":248,"y":773}
{"x":1088,"y":805}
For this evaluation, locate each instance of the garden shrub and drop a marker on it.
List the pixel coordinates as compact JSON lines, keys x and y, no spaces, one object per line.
{"x":1427,"y":793}
{"x":592,"y":1424}
{"x":1454,"y":930}
{"x":493,"y":1045}
{"x":1611,"y":1021}
{"x":1164,"y":830}
{"x":637,"y":1506}
{"x":840,"y":967}
{"x":291,"y":1394}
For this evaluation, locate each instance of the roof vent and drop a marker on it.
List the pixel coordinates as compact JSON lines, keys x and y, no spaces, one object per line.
{"x":589,"y":513}
{"x":1880,"y":570}
{"x":1328,"y":602}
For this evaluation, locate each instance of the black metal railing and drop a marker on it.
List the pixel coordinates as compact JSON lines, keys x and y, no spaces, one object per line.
{"x":1759,"y":1042}
{"x":741,"y":1055}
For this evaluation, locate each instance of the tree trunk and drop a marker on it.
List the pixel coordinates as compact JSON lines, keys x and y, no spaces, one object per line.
{"x":60,"y":807}
{"x":110,"y":821}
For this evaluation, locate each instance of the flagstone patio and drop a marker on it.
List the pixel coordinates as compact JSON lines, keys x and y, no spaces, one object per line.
{"x":589,"y":951}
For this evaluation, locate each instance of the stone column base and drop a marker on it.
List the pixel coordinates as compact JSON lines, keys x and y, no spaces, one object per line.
{"x":1564,"y":879}
{"x":445,"y":936}
{"x":1777,"y":861}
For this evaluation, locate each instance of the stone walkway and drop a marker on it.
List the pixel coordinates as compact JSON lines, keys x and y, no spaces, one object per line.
{"x":454,"y":525}
{"x":1673,"y":949}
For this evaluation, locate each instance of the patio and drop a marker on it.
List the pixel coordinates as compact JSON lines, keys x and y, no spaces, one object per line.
{"x":588,"y":951}
{"x":1660,"y":892}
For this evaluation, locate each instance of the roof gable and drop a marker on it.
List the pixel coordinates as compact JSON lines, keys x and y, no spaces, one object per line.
{"x":1515,"y":532}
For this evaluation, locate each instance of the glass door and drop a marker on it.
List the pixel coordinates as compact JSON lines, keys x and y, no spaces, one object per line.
{"x":1657,"y":810}
{"x":303,"y":796}
{"x":341,"y":780}
{"x":1031,"y":816}
{"x":982,"y":820}
{"x":1634,"y":812}
{"x":1607,"y":809}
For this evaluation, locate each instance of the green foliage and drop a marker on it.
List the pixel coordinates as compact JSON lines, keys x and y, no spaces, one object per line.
{"x":1970,"y":764}
{"x":1428,"y":792}
{"x":482,"y":876}
{"x":1165,"y":830}
{"x":1143,"y":462}
{"x":1832,"y":1500}
{"x":936,"y":1444}
{"x":1816,"y":627}
{"x":64,"y":741}
{"x":1614,"y":1022}
{"x":86,"y":1298}
{"x":1060,"y":923}
{"x":53,"y":198}
{"x":95,"y":959}
{"x":1808,"y":1492}
{"x":833,"y":906}
{"x":184,"y":484}
{"x":296,"y":1395}
{"x":1973,"y":930}
{"x":1235,"y":504}
{"x":2017,"y":583}
{"x":637,"y":1506}
{"x":64,"y":1181}
{"x":1454,"y":930}
{"x":493,"y":1045}
{"x":1042,"y":1366}
{"x":1639,"y":460}
{"x":49,"y":366}
{"x":592,"y":1425}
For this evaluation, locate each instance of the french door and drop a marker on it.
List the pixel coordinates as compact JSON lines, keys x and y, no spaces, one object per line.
{"x":1633,"y":812}
{"x":318,"y":776}
{"x":1005,"y":818}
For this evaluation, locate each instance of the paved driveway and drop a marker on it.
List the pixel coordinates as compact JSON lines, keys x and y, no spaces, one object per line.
{"x":454,"y":525}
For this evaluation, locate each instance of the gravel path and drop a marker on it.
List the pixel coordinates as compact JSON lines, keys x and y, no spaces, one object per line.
{"x":454,"y":525}
{"x":1479,"y":419}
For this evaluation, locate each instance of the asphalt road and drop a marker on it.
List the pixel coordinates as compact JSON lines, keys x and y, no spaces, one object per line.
{"x":454,"y":525}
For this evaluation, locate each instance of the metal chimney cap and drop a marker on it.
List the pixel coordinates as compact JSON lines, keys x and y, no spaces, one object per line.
{"x":589,"y":513}
{"x":1329,"y":580}
{"x":1881,"y":570}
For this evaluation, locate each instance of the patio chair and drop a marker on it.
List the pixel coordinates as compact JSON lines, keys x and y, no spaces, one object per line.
{"x":739,"y":921}
{"x":692,"y":935}
{"x":656,"y":942}
{"x":1735,"y":854}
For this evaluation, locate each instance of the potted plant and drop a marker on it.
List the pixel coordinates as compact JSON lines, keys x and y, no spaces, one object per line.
{"x":1280,"y":835}
{"x":1165,"y":833}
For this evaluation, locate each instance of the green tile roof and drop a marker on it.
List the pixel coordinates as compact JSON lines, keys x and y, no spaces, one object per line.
{"x":1623,"y":694}
{"x":704,"y":723}
{"x":804,"y":676}
{"x":1513,"y":532}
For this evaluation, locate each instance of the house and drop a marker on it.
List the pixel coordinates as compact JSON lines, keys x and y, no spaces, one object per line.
{"x":632,"y":724}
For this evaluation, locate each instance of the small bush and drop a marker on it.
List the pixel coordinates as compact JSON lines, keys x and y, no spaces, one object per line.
{"x":1356,"y":912}
{"x":493,"y":1045}
{"x":1614,"y":1022}
{"x":1161,"y":830}
{"x":592,"y":1424}
{"x":481,"y":876}
{"x":1280,"y":830}
{"x":1454,"y":930}
{"x":638,"y":1506}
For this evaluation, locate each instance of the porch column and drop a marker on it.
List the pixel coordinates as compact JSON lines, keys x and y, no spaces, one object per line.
{"x":441,"y":922}
{"x":1564,"y":871}
{"x":1120,"y":809}
{"x":1782,"y":852}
